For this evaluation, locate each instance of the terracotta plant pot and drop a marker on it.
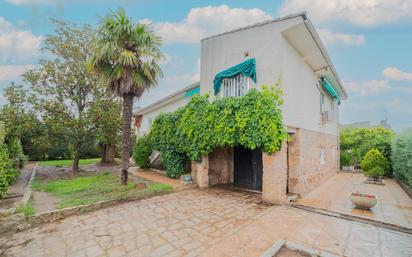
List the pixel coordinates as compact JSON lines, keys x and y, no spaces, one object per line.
{"x":363,"y":201}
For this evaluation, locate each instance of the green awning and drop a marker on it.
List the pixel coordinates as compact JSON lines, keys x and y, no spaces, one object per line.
{"x":247,"y":68}
{"x":192,"y":92}
{"x":328,"y":87}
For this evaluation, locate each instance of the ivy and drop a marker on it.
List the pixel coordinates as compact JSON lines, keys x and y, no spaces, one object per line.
{"x":252,"y":121}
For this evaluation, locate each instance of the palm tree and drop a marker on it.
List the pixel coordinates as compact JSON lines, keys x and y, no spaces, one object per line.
{"x":127,"y":57}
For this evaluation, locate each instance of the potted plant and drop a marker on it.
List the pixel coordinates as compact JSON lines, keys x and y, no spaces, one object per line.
{"x":363,"y":201}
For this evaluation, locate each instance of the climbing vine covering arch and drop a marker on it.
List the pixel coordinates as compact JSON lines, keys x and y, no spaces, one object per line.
{"x":252,"y":121}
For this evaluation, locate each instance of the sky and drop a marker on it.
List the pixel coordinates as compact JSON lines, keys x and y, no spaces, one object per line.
{"x":369,"y":42}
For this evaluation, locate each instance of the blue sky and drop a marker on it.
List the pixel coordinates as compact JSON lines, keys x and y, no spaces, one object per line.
{"x":370,"y":42}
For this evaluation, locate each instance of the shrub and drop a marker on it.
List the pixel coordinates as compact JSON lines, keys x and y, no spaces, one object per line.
{"x":15,"y":151}
{"x":372,"y":160}
{"x":375,"y":172}
{"x":8,"y":173}
{"x":402,"y":156}
{"x":142,"y":151}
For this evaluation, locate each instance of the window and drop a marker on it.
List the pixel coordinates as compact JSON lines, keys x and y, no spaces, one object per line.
{"x":322,"y":103}
{"x":236,"y":86}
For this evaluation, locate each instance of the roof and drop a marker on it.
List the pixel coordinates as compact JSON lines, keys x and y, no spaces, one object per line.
{"x":299,"y":14}
{"x":166,"y":100}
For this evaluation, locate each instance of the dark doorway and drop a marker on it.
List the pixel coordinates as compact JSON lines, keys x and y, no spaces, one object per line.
{"x":248,"y":168}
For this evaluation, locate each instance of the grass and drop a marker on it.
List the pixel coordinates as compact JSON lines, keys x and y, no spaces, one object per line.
{"x":91,"y":189}
{"x":67,"y":163}
{"x":28,"y":210}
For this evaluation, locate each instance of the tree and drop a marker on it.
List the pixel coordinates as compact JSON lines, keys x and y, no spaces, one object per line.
{"x":356,"y":142}
{"x":402,"y":156}
{"x":127,"y":57}
{"x":21,"y":120}
{"x":107,"y":116}
{"x":63,"y":88}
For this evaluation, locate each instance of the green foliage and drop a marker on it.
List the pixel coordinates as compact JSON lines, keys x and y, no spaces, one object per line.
{"x":16,"y":152}
{"x":142,"y":151}
{"x":27,"y":210}
{"x":72,"y":103}
{"x":8,"y":171}
{"x":252,"y":121}
{"x":346,"y":158}
{"x":356,"y":142}
{"x":375,"y":172}
{"x":373,"y":160}
{"x":402,"y":156}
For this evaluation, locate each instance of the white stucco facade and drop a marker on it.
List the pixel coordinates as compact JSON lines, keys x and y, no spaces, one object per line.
{"x":277,"y":59}
{"x":167,"y":104}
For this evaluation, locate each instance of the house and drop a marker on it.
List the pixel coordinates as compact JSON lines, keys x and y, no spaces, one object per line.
{"x":144,"y":117}
{"x":288,"y":50}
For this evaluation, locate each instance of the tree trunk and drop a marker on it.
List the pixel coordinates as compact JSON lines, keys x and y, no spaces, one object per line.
{"x":126,"y":135}
{"x":108,"y":153}
{"x":75,"y":165}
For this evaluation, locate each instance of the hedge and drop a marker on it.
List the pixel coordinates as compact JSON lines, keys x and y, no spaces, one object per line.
{"x":402,"y":156}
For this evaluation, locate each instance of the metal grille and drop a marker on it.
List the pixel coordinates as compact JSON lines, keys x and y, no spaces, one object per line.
{"x":236,"y":86}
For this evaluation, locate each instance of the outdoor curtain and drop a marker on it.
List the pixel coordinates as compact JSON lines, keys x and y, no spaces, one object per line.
{"x":247,"y":68}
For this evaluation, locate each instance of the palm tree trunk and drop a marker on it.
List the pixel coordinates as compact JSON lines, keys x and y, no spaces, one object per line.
{"x":126,"y":135}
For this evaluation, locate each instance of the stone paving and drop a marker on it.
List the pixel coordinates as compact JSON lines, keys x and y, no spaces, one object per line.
{"x":311,"y":230}
{"x":179,"y":224}
{"x":394,"y":205}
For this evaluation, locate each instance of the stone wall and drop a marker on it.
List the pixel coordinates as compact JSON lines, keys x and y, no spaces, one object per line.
{"x":221,"y":166}
{"x":313,"y":159}
{"x":215,"y":168}
{"x":275,"y":176}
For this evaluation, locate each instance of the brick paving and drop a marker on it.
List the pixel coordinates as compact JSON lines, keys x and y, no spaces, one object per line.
{"x":394,"y":205}
{"x":185,"y":223}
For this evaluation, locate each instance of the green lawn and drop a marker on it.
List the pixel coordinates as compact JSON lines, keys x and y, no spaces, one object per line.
{"x":67,"y":163}
{"x":91,"y":189}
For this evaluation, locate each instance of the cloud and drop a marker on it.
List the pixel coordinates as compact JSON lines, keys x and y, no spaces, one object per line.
{"x":12,"y":72}
{"x":31,"y":2}
{"x":206,"y":21}
{"x":17,"y":45}
{"x":396,"y":74}
{"x":358,"y":12}
{"x":368,"y":87}
{"x":328,"y":37}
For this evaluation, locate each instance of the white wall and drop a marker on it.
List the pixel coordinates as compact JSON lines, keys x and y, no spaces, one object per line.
{"x":149,"y":117}
{"x":275,"y":59}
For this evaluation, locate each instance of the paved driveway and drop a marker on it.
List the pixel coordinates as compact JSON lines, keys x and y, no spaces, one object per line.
{"x":394,"y":205}
{"x":179,"y":224}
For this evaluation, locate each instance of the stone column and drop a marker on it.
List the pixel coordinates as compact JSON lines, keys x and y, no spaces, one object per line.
{"x":275,"y":176}
{"x":202,"y":176}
